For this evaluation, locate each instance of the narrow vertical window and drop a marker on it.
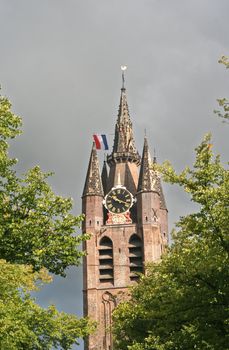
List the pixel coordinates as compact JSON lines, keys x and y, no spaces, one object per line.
{"x":106,"y":268}
{"x":135,"y":257}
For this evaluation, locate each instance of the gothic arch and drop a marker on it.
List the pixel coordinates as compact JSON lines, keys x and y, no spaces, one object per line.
{"x":106,"y":267}
{"x":135,"y":257}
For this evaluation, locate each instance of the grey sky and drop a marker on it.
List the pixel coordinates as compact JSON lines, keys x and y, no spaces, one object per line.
{"x":60,"y":66}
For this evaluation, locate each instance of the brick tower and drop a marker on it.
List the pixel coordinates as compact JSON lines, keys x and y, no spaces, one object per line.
{"x":126,"y":214}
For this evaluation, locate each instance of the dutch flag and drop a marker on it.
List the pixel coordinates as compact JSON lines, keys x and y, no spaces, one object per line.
{"x":101,"y":142}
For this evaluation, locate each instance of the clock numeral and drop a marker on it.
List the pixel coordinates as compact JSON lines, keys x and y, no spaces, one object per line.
{"x":110,"y":206}
{"x":118,"y":210}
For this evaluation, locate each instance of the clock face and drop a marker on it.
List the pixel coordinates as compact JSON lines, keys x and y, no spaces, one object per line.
{"x":118,"y":200}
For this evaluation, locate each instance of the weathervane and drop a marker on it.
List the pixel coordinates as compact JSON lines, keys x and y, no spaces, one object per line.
{"x":123,"y":68}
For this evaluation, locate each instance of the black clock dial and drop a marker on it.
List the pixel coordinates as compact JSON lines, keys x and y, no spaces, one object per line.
{"x":119,"y":200}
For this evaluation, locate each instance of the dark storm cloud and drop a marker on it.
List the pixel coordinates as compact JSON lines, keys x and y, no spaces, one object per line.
{"x":59,"y":65}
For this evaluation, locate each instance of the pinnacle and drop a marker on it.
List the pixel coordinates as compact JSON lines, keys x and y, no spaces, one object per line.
{"x":93,"y":183}
{"x":124,"y":145}
{"x":146,"y":181}
{"x":149,"y":179}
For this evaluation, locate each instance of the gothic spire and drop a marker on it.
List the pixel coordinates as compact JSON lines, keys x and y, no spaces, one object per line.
{"x":93,"y":183}
{"x":146,"y":181}
{"x":124,"y":140}
{"x":149,"y":179}
{"x":124,"y":146}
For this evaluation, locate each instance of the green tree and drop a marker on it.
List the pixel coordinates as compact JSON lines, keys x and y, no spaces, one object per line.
{"x":183,"y":301}
{"x":23,"y":323}
{"x":36,"y":226}
{"x":37,"y":235}
{"x":223,"y":112}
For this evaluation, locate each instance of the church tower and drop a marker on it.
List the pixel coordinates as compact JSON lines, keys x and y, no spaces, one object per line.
{"x":126,"y":215}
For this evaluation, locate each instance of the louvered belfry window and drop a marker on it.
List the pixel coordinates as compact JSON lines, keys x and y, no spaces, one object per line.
{"x":106,"y":268}
{"x":135,"y":257}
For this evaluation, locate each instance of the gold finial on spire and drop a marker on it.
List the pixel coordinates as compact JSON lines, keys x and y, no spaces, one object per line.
{"x":123,"y":68}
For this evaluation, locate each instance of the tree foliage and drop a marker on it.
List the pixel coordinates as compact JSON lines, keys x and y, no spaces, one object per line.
{"x":36,"y":226}
{"x":37,"y":235}
{"x":223,"y":112}
{"x":182,"y":302}
{"x":23,"y":323}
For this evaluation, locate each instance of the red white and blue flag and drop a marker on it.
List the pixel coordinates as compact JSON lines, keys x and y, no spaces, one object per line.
{"x":101,"y":142}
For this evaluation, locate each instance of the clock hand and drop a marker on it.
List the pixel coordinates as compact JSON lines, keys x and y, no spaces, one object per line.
{"x":115,"y":198}
{"x":119,"y":200}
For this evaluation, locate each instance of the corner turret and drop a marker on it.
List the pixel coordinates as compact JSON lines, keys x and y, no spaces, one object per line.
{"x":151,"y":207}
{"x":93,"y":183}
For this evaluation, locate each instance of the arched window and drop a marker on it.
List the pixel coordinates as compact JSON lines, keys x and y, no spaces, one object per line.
{"x":135,"y":257}
{"x":106,"y":268}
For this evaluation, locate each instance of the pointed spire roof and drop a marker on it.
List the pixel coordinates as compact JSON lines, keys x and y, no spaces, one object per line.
{"x":124,"y":146}
{"x":124,"y":139}
{"x":149,"y":179}
{"x":146,"y":181}
{"x":93,"y":183}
